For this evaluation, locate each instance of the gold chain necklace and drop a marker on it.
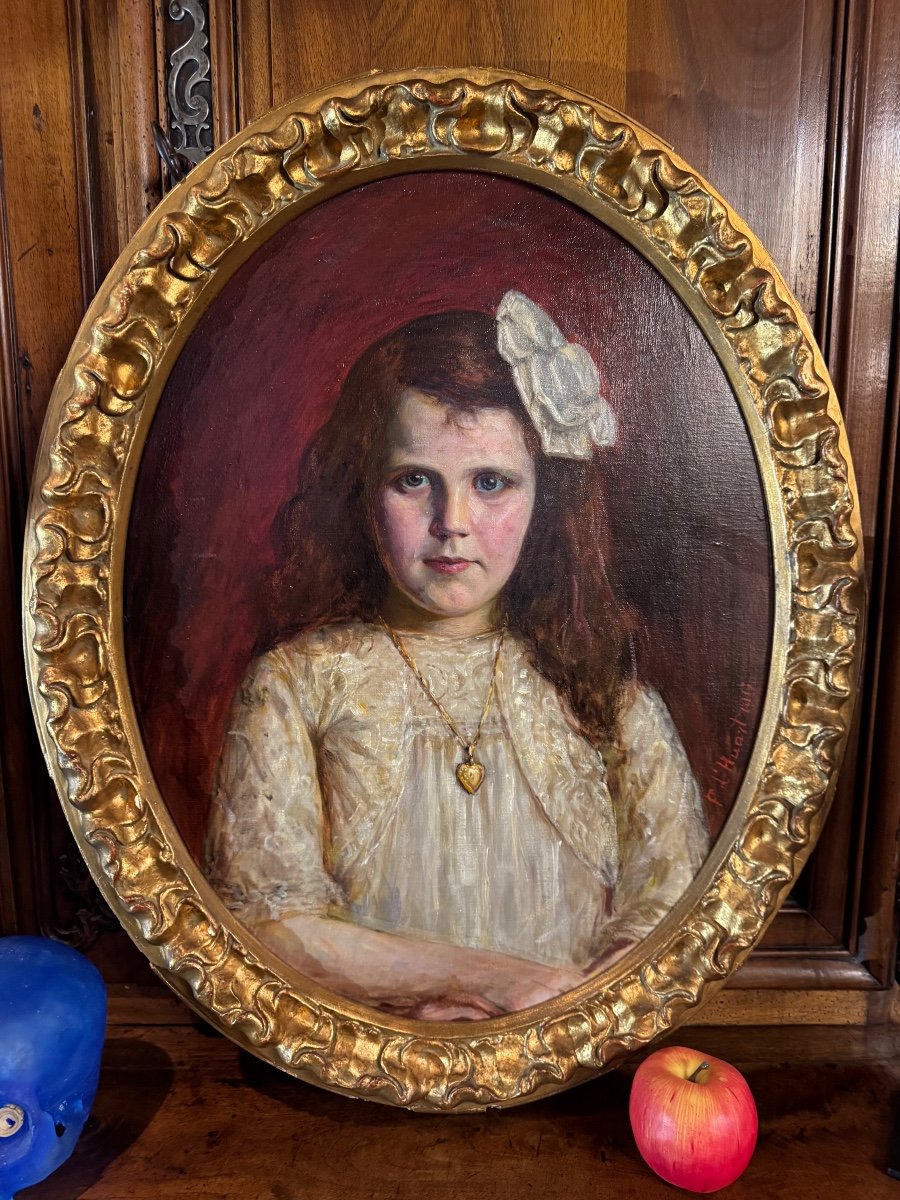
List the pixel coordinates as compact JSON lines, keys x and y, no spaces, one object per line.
{"x":470,"y":772}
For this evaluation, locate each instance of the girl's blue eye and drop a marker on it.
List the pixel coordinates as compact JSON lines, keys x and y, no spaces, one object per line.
{"x":489,"y":482}
{"x":413,"y":481}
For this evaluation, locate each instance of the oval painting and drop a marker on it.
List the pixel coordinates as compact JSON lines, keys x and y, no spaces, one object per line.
{"x":448,"y":596}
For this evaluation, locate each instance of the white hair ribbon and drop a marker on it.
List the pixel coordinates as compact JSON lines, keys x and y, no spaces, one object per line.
{"x":557,"y":380}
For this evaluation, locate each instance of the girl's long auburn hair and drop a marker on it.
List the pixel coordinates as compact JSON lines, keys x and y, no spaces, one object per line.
{"x":559,"y":597}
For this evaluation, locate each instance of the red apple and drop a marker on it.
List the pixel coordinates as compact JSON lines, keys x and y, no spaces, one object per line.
{"x":693,"y":1118}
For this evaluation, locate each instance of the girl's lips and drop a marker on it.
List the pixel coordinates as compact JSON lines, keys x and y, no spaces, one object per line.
{"x":448,"y":566}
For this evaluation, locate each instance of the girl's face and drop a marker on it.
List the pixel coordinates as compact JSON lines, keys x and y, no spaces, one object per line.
{"x":451,"y":510}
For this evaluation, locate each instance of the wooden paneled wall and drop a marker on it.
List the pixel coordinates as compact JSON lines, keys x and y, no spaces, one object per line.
{"x":790,"y":109}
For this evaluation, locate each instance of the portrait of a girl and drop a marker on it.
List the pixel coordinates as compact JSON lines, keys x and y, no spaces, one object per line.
{"x":444,"y":791}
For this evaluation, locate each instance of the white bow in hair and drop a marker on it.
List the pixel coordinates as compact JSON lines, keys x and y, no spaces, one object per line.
{"x":557,"y":380}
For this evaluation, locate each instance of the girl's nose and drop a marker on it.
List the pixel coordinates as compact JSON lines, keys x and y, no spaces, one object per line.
{"x":451,"y":516}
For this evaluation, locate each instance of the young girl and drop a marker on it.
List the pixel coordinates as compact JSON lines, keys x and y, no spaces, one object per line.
{"x":443,"y":792}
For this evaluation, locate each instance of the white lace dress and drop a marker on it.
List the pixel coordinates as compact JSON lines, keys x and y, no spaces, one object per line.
{"x":337,"y":794}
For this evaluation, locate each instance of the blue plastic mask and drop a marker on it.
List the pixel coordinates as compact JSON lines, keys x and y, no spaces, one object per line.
{"x":52,"y":1024}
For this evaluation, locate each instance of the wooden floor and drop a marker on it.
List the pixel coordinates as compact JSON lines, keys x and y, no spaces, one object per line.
{"x":183,"y":1113}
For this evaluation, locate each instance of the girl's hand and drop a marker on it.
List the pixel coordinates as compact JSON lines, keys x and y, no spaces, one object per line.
{"x":410,"y":976}
{"x":608,"y":956}
{"x":468,"y":1008}
{"x":527,"y":983}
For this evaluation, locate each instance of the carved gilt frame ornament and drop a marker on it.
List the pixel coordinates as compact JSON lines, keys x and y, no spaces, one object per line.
{"x":100,"y":412}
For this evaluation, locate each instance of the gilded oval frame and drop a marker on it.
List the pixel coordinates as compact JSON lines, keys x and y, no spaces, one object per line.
{"x":97,"y":423}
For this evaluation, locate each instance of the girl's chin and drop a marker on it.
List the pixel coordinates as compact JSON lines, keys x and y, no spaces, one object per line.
{"x":447,"y":604}
{"x":443,"y":608}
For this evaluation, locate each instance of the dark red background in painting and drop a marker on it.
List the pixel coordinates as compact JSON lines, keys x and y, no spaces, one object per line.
{"x":262,"y":370}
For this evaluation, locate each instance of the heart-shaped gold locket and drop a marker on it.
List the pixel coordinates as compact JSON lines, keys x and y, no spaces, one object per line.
{"x":470,"y":776}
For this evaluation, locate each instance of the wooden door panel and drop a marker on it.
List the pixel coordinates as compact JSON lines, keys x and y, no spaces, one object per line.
{"x":77,"y":181}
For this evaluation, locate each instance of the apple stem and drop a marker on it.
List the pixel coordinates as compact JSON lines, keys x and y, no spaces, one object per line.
{"x":692,"y":1078}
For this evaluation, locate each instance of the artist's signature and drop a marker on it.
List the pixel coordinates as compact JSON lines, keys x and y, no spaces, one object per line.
{"x":737,"y":738}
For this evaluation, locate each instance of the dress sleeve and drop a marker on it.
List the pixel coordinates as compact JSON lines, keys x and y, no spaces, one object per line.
{"x":661,"y":827}
{"x":264,"y":850}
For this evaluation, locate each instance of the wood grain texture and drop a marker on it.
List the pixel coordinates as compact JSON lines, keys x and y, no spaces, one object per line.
{"x":77,"y":181}
{"x":179,"y":1114}
{"x":222,"y":41}
{"x":779,"y":1006}
{"x":41,"y":187}
{"x":43,"y":300}
{"x":583,"y":45}
{"x":744,"y":98}
{"x":869,"y":358}
{"x":856,"y":861}
{"x":14,"y":759}
{"x":116,"y":56}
